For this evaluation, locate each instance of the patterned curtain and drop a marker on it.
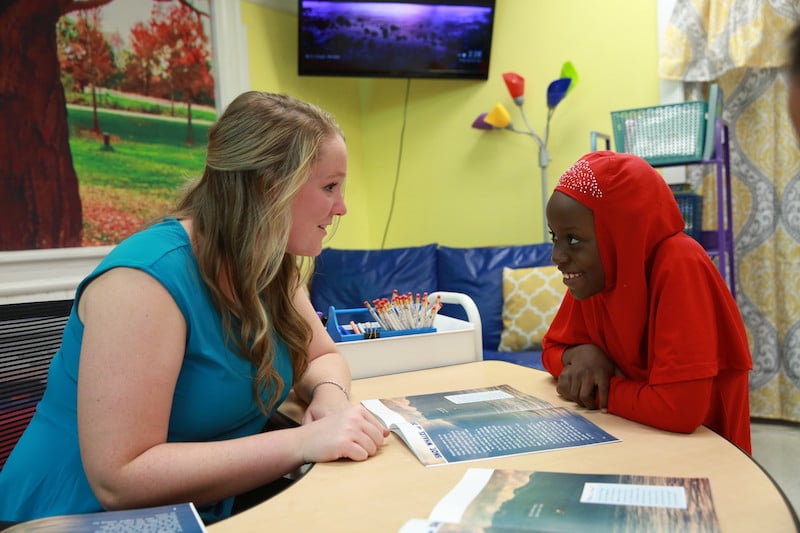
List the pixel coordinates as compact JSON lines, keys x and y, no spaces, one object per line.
{"x":741,"y":46}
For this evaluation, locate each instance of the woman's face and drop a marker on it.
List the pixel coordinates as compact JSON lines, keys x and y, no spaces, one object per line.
{"x":320,"y":199}
{"x":575,"y":250}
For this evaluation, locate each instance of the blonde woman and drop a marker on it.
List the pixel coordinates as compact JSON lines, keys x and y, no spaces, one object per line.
{"x":191,"y":332}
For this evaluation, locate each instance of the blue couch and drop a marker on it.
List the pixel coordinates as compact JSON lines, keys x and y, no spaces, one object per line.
{"x":346,"y":278}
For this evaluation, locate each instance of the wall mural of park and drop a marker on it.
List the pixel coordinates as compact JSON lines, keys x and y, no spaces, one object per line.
{"x":106,"y":106}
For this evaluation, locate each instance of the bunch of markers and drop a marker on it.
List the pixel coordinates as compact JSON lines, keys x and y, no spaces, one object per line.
{"x":404,"y":311}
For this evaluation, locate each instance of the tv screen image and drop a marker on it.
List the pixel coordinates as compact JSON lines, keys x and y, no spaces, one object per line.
{"x":422,"y":39}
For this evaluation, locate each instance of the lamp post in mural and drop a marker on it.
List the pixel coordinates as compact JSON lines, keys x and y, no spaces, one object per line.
{"x":499,"y":118}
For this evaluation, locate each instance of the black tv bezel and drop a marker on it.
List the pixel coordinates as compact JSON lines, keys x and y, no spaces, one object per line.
{"x":402,"y":74}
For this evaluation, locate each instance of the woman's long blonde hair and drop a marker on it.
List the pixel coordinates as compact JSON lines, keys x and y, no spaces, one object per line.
{"x":260,"y":152}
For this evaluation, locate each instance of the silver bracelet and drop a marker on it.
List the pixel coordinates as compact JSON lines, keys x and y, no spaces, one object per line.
{"x":330,"y":381}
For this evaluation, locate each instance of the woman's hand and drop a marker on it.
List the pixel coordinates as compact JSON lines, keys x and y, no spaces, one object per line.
{"x":586,"y":376}
{"x":352,"y":433}
{"x":328,"y":399}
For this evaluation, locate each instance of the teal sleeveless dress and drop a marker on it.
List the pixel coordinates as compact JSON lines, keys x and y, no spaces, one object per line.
{"x":213,"y":397}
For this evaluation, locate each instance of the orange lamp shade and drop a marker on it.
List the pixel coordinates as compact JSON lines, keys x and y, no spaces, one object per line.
{"x":498,"y":117}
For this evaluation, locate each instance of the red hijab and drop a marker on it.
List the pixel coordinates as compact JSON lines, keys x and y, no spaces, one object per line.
{"x":635,"y":212}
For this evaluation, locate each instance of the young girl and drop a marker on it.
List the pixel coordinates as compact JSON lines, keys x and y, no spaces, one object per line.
{"x":648,"y":330}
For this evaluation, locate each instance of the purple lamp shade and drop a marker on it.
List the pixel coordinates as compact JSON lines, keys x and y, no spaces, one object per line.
{"x":480,"y":124}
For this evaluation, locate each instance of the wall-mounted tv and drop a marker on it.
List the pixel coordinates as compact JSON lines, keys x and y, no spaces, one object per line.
{"x":397,"y":39}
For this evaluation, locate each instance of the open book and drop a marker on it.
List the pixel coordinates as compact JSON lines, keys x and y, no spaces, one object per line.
{"x":518,"y":500}
{"x":165,"y":519}
{"x":472,"y":424}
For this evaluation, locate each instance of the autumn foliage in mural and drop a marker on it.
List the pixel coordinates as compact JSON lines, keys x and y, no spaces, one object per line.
{"x":57,"y":181}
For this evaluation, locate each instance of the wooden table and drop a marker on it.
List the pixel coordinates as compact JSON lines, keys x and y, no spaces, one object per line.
{"x":382,"y":493}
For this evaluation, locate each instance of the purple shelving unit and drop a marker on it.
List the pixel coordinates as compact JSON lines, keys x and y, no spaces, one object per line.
{"x":717,"y":242}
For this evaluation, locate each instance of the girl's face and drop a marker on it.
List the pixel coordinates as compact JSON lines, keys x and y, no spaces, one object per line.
{"x":575,"y":250}
{"x":319,"y":199}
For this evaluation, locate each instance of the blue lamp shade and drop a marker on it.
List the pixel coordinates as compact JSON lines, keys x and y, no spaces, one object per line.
{"x":556,"y":91}
{"x":480,"y":124}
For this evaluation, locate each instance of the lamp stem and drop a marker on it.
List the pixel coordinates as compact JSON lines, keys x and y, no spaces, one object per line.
{"x":550,"y":112}
{"x":528,"y":126}
{"x":544,"y":159}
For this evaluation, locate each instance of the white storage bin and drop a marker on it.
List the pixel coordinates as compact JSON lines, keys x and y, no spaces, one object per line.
{"x":452,"y":343}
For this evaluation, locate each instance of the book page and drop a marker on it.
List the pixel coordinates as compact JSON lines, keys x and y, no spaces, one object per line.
{"x":451,"y":508}
{"x":470,"y":438}
{"x":164,"y":519}
{"x":482,"y":400}
{"x":482,"y":423}
{"x":521,"y":500}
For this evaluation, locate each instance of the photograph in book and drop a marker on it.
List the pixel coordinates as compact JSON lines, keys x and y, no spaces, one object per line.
{"x":481,"y":423}
{"x":518,"y":500}
{"x":178,"y":518}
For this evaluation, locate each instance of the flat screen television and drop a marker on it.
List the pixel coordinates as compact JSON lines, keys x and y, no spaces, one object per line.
{"x":396,"y":39}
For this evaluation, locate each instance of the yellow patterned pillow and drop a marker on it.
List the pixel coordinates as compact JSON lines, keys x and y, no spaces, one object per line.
{"x":531,"y":297}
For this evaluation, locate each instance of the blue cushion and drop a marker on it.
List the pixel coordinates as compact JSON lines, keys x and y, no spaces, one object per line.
{"x":532,"y":358}
{"x":346,"y":278}
{"x":478,"y":273}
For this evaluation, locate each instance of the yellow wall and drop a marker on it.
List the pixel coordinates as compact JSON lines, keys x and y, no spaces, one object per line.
{"x":460,"y":186}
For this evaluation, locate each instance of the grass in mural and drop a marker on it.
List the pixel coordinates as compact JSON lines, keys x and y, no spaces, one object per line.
{"x":135,"y":181}
{"x":139,"y":127}
{"x":132,"y":165}
{"x":112,"y":100}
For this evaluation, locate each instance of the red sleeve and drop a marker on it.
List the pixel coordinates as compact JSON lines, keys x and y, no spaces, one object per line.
{"x":680,"y":407}
{"x":568,"y":323}
{"x":551,"y":358}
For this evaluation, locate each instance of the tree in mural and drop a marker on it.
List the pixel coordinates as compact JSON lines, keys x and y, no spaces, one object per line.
{"x":171,"y":58}
{"x":87,"y":58}
{"x":39,"y":198}
{"x":185,"y":47}
{"x":139,"y":70}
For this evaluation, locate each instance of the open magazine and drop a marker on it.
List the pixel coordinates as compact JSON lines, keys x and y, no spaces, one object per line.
{"x":165,"y":519}
{"x":497,"y":501}
{"x":473,"y":424}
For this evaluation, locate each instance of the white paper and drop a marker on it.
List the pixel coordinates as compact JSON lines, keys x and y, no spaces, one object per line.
{"x":635,"y":495}
{"x":384,"y":414}
{"x":451,"y":508}
{"x":473,"y":397}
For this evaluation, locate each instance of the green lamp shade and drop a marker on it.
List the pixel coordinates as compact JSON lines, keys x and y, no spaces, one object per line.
{"x":568,"y":71}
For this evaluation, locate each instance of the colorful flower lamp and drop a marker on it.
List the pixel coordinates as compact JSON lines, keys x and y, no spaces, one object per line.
{"x":499,"y":118}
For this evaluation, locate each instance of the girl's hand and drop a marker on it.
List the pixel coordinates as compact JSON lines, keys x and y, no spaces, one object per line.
{"x":586,"y":376}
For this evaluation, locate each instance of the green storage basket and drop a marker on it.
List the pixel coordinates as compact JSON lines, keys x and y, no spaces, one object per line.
{"x":662,"y":135}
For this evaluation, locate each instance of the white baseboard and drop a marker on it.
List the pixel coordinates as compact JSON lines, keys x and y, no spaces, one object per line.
{"x":51,"y":274}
